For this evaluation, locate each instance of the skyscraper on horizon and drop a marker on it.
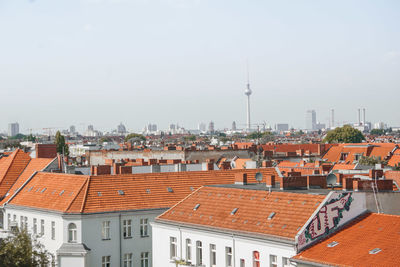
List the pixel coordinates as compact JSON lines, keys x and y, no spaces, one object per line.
{"x":311,"y":120}
{"x":13,"y":129}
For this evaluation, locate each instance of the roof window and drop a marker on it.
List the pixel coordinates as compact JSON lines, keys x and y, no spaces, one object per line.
{"x":375,"y":251}
{"x":196,"y":207}
{"x":191,"y":188}
{"x":62,"y":192}
{"x":148,"y":191}
{"x":169,"y":189}
{"x":99,"y":194}
{"x":44,"y":189}
{"x":332,"y":244}
{"x":234,"y":211}
{"x":271,"y":215}
{"x":121,"y":192}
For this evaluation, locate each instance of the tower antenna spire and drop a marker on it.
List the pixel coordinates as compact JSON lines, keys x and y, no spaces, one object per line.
{"x":248,"y":92}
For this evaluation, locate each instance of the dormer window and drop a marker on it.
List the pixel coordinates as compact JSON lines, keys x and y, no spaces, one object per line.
{"x":343,"y":156}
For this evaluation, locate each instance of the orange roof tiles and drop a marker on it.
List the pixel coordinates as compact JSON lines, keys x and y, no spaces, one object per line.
{"x":292,"y":210}
{"x":339,"y":166}
{"x":35,"y":164}
{"x":10,"y":169}
{"x":371,"y":231}
{"x":101,"y":193}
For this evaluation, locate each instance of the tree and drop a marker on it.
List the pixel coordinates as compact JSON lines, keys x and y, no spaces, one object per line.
{"x":190,"y":138}
{"x":377,"y":132}
{"x":345,"y":134}
{"x":18,"y":137}
{"x":135,"y":136}
{"x":62,"y":147}
{"x":31,"y":138}
{"x":21,"y":250}
{"x":364,"y":160}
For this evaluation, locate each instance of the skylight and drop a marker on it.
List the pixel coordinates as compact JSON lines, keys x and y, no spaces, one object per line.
{"x":148,"y":191}
{"x":234,"y":211}
{"x":62,"y":192}
{"x":271,"y":215}
{"x":196,"y":207}
{"x":121,"y":192}
{"x":44,"y":189}
{"x":169,"y":189}
{"x":332,"y":244}
{"x":99,"y":194}
{"x":375,"y":251}
{"x":191,"y":188}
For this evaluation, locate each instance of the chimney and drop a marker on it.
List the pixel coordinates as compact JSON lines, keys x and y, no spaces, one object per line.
{"x":241,"y":178}
{"x":270,"y":180}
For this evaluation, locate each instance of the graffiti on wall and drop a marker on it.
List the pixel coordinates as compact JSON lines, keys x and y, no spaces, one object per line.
{"x":327,"y":219}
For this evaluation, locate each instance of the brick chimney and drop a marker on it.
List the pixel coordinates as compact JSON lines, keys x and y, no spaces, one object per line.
{"x":241,"y":178}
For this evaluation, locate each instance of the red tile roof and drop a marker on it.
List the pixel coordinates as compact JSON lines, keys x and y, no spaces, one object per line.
{"x":292,"y":210}
{"x":371,"y":231}
{"x":10,"y":169}
{"x":84,"y":194}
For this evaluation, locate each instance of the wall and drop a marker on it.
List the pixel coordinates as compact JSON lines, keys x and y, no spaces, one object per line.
{"x":242,"y":247}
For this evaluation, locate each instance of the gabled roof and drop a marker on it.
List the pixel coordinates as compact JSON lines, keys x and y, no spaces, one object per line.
{"x":215,"y":205}
{"x":10,"y":169}
{"x":357,"y":243}
{"x":109,"y":193}
{"x":35,"y":164}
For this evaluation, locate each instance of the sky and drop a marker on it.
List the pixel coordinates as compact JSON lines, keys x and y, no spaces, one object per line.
{"x":102,"y":62}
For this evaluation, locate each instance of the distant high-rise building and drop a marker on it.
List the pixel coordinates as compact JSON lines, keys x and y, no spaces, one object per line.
{"x":90,"y":128}
{"x":13,"y":129}
{"x":211,"y":128}
{"x":72,"y":129}
{"x":121,"y":129}
{"x":282,"y":127}
{"x":332,"y":119}
{"x":233,"y":126}
{"x":311,"y":120}
{"x":201,"y":127}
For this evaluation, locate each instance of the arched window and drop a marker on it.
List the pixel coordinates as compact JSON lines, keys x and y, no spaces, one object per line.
{"x":71,"y":232}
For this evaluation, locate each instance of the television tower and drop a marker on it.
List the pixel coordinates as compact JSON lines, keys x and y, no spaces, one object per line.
{"x":248,"y":92}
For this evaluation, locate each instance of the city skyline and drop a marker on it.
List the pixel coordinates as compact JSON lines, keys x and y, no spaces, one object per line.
{"x":165,"y":56}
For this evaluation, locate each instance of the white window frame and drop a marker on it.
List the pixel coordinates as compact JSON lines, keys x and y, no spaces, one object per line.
{"x":72,"y":233}
{"x":199,"y":252}
{"x":127,"y":228}
{"x":144,"y":259}
{"x":128,"y":260}
{"x":273,"y":260}
{"x":42,"y":227}
{"x":53,"y":230}
{"x":144,"y":227}
{"x":173,"y":247}
{"x":106,"y":261}
{"x":285,"y":260}
{"x":213,"y":255}
{"x":21,"y":222}
{"x":188,"y":250}
{"x":228,"y":256}
{"x":105,"y":230}
{"x":8,"y":220}
{"x":34,"y":226}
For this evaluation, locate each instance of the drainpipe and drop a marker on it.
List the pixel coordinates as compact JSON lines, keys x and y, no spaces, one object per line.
{"x":180,"y":237}
{"x":233,"y":251}
{"x":120,"y":240}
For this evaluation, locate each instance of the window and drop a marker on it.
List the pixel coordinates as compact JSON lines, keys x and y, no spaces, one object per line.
{"x":72,"y":233}
{"x":105,"y":230}
{"x":343,"y":156}
{"x":34,"y":227}
{"x":144,"y":259}
{"x":242,"y":263}
{"x":14,"y":218}
{"x":127,"y":228}
{"x":8,"y":220}
{"x":53,"y":230}
{"x":21,"y":222}
{"x":273,"y":261}
{"x":26,"y":223}
{"x":285,"y":262}
{"x":188,"y":250}
{"x":256,"y":259}
{"x":213,"y":255}
{"x":128,"y":260}
{"x":42,"y":227}
{"x":106,"y":261}
{"x":144,"y":224}
{"x":228,"y":256}
{"x":199,"y":253}
{"x":172,"y":247}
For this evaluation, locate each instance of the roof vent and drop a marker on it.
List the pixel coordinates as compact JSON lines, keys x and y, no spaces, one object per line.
{"x":196,"y":207}
{"x":271,"y":215}
{"x":148,"y":191}
{"x":375,"y":251}
{"x":332,"y":244}
{"x":169,"y":189}
{"x":62,"y":192}
{"x":99,"y":194}
{"x":121,"y":192}
{"x":234,"y":211}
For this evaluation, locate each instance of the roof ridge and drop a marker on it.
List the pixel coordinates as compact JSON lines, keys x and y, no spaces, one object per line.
{"x":70,"y":204}
{"x":86,"y":192}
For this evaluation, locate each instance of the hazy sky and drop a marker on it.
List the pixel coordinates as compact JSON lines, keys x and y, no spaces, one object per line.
{"x":101,"y":62}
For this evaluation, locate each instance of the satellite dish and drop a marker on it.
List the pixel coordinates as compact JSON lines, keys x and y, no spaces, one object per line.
{"x":259,"y":177}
